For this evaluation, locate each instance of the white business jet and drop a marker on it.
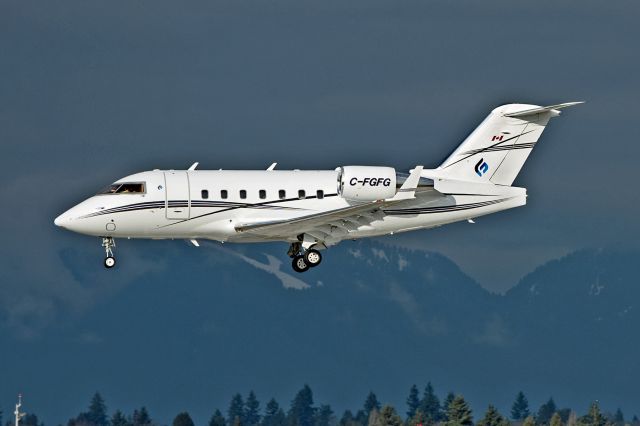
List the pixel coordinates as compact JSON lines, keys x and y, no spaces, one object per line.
{"x":312,"y":210}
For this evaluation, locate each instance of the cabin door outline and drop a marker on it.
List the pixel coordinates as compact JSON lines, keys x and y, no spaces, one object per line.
{"x":177,"y":201}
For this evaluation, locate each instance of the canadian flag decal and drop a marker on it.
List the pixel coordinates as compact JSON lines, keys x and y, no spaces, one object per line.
{"x":497,"y":138}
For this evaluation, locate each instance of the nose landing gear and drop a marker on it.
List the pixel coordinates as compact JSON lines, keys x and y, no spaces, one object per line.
{"x":109,"y":243}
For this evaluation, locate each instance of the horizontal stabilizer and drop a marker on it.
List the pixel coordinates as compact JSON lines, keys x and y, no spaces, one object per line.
{"x":408,"y":189}
{"x":458,"y":187}
{"x":539,"y":110}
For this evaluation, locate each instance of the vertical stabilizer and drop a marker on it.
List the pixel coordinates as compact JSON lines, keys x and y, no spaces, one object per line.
{"x":498,"y":148}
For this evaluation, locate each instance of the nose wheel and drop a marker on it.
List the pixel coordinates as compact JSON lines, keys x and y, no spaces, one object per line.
{"x":109,"y":244}
{"x":109,"y":262}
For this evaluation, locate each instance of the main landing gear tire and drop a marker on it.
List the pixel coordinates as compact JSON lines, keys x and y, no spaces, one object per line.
{"x":312,"y":257}
{"x":299,"y":264}
{"x":109,"y":262}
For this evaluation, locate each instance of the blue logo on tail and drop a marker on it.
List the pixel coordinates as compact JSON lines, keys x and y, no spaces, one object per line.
{"x":481,"y":167}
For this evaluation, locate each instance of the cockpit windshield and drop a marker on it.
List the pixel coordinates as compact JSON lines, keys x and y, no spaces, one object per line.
{"x":124,"y":188}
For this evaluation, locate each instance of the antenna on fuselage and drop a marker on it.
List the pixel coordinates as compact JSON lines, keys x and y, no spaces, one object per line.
{"x":17,"y":413}
{"x":194,"y":165}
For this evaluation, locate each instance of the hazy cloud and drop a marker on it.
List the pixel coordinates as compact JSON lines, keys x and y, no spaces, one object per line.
{"x":495,"y":332}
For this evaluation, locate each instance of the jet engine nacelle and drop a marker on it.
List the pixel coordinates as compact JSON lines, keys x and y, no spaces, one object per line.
{"x":366,"y":183}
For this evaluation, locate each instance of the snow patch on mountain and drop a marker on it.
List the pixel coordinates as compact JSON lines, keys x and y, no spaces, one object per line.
{"x":625,"y":311}
{"x":274,"y":268}
{"x":379,"y":254}
{"x":402,"y":263}
{"x":596,"y":288}
{"x":534,"y":290}
{"x":357,"y":253}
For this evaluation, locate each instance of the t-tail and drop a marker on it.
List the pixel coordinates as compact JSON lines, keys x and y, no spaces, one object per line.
{"x":496,"y":150}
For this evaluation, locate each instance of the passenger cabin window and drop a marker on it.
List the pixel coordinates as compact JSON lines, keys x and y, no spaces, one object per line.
{"x":205,"y":194}
{"x":320,"y":194}
{"x":282,"y":194}
{"x":124,"y":188}
{"x":263,"y":194}
{"x":224,"y":194}
{"x":243,"y":193}
{"x":301,"y":193}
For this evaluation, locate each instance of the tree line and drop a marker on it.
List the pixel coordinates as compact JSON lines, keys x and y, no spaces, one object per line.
{"x":422,"y":409}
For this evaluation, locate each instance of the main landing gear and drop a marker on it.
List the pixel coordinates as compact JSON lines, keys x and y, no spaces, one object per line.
{"x":109,"y":243}
{"x":303,"y":259}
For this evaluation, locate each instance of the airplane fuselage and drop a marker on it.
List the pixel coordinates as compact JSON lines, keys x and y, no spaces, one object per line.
{"x":203,"y":204}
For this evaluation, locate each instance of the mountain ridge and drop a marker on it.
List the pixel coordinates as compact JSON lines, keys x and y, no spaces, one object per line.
{"x":199,"y":322}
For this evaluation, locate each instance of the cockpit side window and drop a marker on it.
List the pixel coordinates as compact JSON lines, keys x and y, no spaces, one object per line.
{"x":124,"y":188}
{"x":111,"y":189}
{"x":131,"y":188}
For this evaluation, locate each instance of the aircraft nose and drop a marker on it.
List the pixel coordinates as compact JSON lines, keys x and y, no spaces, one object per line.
{"x":75,"y":219}
{"x":58,"y":221}
{"x":61,"y":220}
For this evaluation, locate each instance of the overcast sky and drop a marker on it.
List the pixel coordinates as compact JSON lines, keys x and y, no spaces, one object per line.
{"x":93,"y":91}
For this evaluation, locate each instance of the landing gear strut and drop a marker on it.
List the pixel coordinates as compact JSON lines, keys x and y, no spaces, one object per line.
{"x":109,"y":243}
{"x":303,"y":258}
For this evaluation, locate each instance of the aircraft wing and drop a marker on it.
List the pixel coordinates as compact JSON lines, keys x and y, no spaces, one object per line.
{"x":305,"y":223}
{"x":332,"y":226}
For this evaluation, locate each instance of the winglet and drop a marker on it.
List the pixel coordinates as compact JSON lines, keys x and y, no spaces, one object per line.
{"x":550,"y":108}
{"x":408,"y":189}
